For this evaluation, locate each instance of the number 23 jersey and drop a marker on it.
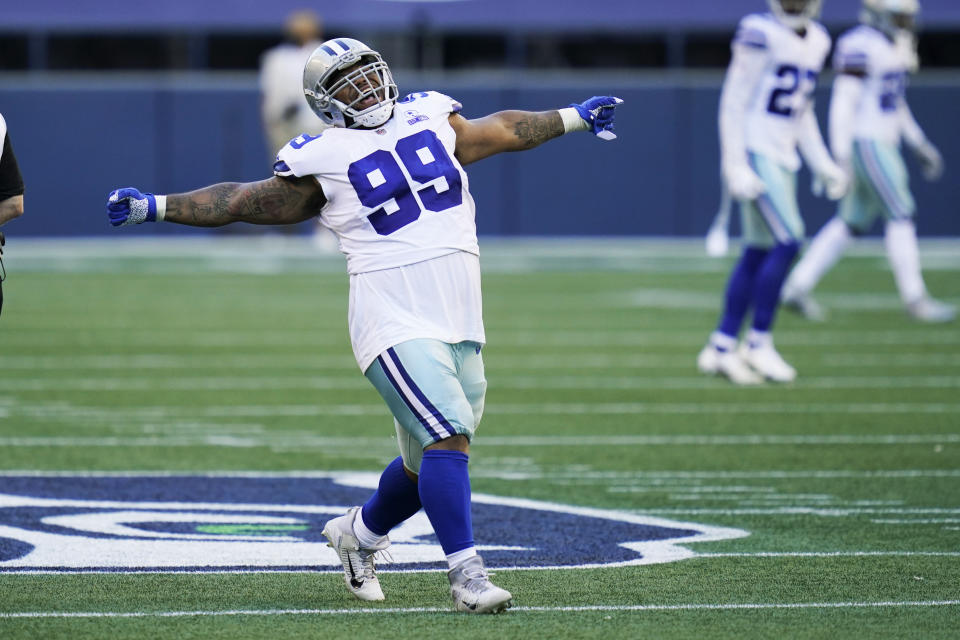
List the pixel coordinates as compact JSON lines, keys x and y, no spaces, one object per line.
{"x":396,"y":195}
{"x":784,"y":91}
{"x":869,"y":54}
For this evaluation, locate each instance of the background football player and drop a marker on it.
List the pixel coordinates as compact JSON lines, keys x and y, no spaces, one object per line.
{"x":11,"y":192}
{"x":388,"y":179}
{"x":766,"y":113}
{"x":284,"y":112}
{"x":11,"y":182}
{"x":869,"y":116}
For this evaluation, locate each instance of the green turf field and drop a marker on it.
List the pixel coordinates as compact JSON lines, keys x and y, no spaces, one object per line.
{"x":234,"y":357}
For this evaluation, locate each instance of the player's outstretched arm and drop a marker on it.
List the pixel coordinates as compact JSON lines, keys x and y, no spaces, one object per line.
{"x":522,"y":130}
{"x":272,"y":201}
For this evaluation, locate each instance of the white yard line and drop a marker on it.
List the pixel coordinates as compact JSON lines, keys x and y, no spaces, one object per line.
{"x":495,"y":361}
{"x":919,"y":521}
{"x":196,"y":383}
{"x":600,"y":475}
{"x":258,"y":571}
{"x":191,"y":361}
{"x":683,"y":476}
{"x":528,"y":339}
{"x":802,"y":511}
{"x":337,"y":383}
{"x":416,"y":610}
{"x":279,"y":439}
{"x":74,"y":413}
{"x":833,"y":554}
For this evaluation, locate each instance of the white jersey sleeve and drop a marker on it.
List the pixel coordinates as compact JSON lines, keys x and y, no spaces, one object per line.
{"x":867,"y":53}
{"x":783,"y":89}
{"x":747,"y":64}
{"x":396,"y":195}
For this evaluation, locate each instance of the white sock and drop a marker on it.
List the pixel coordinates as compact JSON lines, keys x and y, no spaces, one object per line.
{"x":722,"y":342}
{"x":900,"y":237}
{"x":365,"y":537}
{"x":457,"y":557}
{"x":756,"y":339}
{"x":824,"y":251}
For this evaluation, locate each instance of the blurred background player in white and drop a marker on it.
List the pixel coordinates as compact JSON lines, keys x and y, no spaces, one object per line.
{"x":766,"y":113}
{"x":869,"y":116}
{"x":388,"y":179}
{"x":284,"y":111}
{"x":11,"y":192}
{"x":283,"y":108}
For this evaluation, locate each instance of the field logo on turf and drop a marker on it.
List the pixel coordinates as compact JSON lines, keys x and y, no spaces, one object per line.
{"x":132,"y":522}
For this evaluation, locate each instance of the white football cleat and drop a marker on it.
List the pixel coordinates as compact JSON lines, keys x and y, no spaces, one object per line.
{"x":804,"y":305}
{"x":472,"y":591}
{"x":359,"y":570}
{"x":765,"y":360}
{"x":727,"y":364}
{"x":927,"y":309}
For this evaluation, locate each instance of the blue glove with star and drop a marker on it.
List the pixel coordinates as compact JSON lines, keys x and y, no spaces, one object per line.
{"x":128,"y":206}
{"x":597,"y":113}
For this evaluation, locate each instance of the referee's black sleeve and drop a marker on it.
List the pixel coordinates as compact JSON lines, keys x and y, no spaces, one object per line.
{"x":11,"y":182}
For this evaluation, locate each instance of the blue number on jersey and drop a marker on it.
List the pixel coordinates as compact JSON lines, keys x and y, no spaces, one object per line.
{"x":378,"y":179}
{"x":894,"y":86}
{"x":410,"y":97}
{"x":302,"y":139}
{"x":779,"y":103}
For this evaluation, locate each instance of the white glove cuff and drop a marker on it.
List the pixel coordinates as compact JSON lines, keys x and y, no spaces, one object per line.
{"x":572,"y":120}
{"x":161,"y":207}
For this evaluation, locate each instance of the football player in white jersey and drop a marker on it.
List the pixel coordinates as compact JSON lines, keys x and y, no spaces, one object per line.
{"x":388,"y":179}
{"x":766,"y":114}
{"x":869,"y":116}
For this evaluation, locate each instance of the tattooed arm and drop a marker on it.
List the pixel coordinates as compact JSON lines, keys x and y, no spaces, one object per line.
{"x":503,"y":131}
{"x":521,"y":130}
{"x":272,"y":201}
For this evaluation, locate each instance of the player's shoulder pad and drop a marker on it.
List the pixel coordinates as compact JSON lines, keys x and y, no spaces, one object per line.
{"x":861,"y":36}
{"x":306,"y":154}
{"x":852,"y":53}
{"x":428,"y":103}
{"x":753,"y":31}
{"x":821,"y":33}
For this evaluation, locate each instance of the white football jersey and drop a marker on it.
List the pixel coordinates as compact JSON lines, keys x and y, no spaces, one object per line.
{"x":399,"y":203}
{"x":867,"y":52}
{"x":396,"y":195}
{"x":785,"y":89}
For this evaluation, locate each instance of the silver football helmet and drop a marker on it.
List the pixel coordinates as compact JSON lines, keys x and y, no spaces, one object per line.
{"x":890,"y":16}
{"x":363,"y":97}
{"x":897,"y":19}
{"x":795,"y":14}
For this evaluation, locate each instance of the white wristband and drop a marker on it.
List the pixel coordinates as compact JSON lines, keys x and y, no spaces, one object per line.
{"x":161,"y":207}
{"x":572,"y":120}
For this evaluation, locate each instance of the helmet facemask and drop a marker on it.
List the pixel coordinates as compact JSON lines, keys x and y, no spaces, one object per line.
{"x":370,"y":80}
{"x":349,"y":85}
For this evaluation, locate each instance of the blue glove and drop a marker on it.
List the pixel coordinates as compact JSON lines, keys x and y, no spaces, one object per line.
{"x":598,"y":113}
{"x":128,"y":206}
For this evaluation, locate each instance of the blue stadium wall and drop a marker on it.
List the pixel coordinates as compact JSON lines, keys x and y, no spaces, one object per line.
{"x":77,"y":137}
